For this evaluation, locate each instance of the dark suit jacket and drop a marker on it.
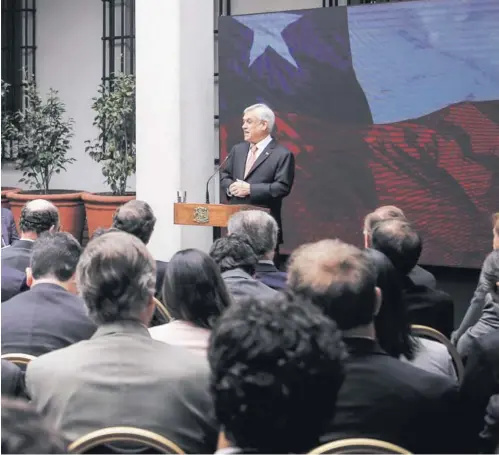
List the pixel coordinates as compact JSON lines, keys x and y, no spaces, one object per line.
{"x":12,"y":380}
{"x":17,"y":255}
{"x":480,"y":382}
{"x":385,"y":398}
{"x":160,"y":278}
{"x":422,"y":277}
{"x":44,"y":319}
{"x":269,"y":274}
{"x":271,"y":177}
{"x":13,"y":282}
{"x":122,"y":377}
{"x":9,"y":230}
{"x":430,"y":307}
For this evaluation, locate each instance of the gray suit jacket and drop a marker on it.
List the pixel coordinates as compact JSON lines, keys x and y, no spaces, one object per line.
{"x":122,"y":377}
{"x":240,"y":284}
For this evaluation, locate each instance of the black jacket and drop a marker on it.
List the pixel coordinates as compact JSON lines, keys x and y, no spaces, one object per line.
{"x":271,"y":177}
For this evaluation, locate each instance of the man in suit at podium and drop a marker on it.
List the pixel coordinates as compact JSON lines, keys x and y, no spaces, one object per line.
{"x":259,"y":171}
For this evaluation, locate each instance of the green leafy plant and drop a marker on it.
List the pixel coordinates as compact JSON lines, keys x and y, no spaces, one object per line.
{"x":9,"y":130}
{"x":114,"y":148}
{"x":43,"y":135}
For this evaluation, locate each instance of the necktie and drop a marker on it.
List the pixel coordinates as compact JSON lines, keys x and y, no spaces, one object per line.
{"x":251,"y":159}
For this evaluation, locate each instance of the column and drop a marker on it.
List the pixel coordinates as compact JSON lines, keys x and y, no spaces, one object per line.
{"x":175,"y":105}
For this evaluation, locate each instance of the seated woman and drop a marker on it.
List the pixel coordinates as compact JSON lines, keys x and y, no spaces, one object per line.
{"x":195,"y":295}
{"x":393,"y":329}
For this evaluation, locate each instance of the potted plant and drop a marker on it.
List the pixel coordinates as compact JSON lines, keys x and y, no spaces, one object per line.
{"x":8,"y":135}
{"x":43,"y":141}
{"x":113,"y":148}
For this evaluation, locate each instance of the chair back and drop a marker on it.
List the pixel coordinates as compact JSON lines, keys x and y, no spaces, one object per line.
{"x":163,"y":312}
{"x":21,"y":360}
{"x":359,"y":446}
{"x":123,"y":440}
{"x":433,"y":334}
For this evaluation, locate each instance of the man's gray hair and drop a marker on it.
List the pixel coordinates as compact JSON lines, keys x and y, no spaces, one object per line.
{"x":264,"y":113}
{"x":260,"y":227}
{"x":116,"y":276}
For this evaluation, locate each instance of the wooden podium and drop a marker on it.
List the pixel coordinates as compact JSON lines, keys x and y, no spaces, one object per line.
{"x":216,"y":215}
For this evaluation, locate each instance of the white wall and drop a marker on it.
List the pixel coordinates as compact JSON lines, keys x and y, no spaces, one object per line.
{"x":175,"y":101}
{"x":69,"y":59}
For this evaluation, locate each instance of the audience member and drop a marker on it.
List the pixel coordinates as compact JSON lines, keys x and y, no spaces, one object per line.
{"x":37,"y":217}
{"x":277,"y":367}
{"x":489,"y":436}
{"x":24,"y":431}
{"x":137,"y":218}
{"x":49,"y":316}
{"x":236,"y":259}
{"x":480,"y":382}
{"x":12,"y":380}
{"x":402,"y":245}
{"x":418,"y":275}
{"x":481,"y":316}
{"x":9,"y":229}
{"x":262,"y":231}
{"x":195,"y":295}
{"x":121,"y":376}
{"x":393,"y":330}
{"x":382,"y":397}
{"x":495,"y":231}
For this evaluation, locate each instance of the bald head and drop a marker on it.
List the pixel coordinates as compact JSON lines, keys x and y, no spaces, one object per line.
{"x":339,"y":278}
{"x":136,"y":218}
{"x":38,"y":216}
{"x":398,"y":241}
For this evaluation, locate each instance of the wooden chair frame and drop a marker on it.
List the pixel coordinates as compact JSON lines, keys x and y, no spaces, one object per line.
{"x":19,"y":358}
{"x":353,"y":445}
{"x":124,"y":434}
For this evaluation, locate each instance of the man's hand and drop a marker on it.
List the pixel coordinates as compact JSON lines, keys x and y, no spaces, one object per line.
{"x":240,"y":189}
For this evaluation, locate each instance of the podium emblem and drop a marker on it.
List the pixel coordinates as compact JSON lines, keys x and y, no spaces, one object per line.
{"x":201,"y":215}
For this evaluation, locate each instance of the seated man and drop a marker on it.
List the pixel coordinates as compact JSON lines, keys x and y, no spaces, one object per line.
{"x":277,"y":367}
{"x":400,"y":243}
{"x":381,"y":397}
{"x":236,"y":259}
{"x":121,"y":376}
{"x":49,"y":316}
{"x":262,"y":231}
{"x":418,"y":275}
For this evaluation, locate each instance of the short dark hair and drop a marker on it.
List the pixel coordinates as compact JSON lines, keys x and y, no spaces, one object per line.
{"x":393,"y":329}
{"x":136,"y":218}
{"x":193,"y":288}
{"x":260,"y":227}
{"x":25,"y":431}
{"x":277,"y":367}
{"x":234,"y":251}
{"x":337,"y":277}
{"x":55,"y":254}
{"x":38,"y":216}
{"x":399,"y":242}
{"x":116,"y":277}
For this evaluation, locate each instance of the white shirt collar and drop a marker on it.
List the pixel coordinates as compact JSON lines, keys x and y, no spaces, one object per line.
{"x":262,"y":145}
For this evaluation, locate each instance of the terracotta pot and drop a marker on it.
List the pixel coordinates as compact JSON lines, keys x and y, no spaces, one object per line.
{"x":69,"y":203}
{"x":100,"y":208}
{"x":5,"y":190}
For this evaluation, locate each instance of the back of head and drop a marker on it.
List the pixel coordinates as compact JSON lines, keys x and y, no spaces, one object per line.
{"x":399,"y":242}
{"x":136,"y":218}
{"x":116,"y":277}
{"x":38,"y":216}
{"x":391,"y":323}
{"x":337,"y":277}
{"x":277,"y":366}
{"x":384,"y":213}
{"x":232,"y":252}
{"x":25,"y":431}
{"x":193,"y":289}
{"x":260,"y":227}
{"x":55,"y":255}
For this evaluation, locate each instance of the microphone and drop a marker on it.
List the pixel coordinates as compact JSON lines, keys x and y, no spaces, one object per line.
{"x":219,"y":166}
